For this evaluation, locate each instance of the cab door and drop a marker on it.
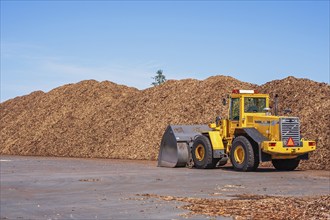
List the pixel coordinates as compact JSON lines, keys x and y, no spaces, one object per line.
{"x":234,"y":115}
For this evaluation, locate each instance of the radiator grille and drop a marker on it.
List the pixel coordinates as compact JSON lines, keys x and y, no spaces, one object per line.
{"x":290,"y":128}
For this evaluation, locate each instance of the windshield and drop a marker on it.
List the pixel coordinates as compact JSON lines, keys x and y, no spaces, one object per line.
{"x":254,"y":104}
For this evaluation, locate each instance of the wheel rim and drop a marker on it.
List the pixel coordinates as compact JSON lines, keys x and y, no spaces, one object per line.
{"x":239,"y":154}
{"x":200,"y":152}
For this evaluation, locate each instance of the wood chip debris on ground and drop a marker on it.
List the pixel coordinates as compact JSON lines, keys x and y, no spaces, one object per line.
{"x":255,"y":206}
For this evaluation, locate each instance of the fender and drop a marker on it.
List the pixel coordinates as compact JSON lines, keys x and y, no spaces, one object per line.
{"x":258,"y":138}
{"x":217,"y":144}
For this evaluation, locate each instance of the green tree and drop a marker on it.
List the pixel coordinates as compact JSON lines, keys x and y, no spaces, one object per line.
{"x":159,"y":78}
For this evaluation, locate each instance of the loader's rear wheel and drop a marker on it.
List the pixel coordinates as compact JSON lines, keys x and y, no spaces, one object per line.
{"x":285,"y":164}
{"x":242,"y":155}
{"x":202,"y":153}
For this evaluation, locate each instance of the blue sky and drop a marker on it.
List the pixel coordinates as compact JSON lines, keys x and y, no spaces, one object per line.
{"x":45,"y":44}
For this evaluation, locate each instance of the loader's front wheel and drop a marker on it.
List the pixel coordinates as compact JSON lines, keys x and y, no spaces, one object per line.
{"x":202,"y":153}
{"x":285,"y":164}
{"x":242,"y":155}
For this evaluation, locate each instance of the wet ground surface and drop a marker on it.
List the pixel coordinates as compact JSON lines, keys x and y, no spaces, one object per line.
{"x":71,"y":188}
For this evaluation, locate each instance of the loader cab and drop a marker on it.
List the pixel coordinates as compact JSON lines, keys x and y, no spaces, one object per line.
{"x":245,"y":103}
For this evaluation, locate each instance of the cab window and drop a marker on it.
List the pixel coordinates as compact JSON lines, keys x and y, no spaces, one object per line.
{"x":254,"y":104}
{"x":234,"y":109}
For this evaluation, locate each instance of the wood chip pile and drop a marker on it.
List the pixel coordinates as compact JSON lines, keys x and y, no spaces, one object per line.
{"x":106,"y":120}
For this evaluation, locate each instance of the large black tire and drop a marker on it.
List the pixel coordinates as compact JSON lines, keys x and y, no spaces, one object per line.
{"x":202,"y":153}
{"x":243,"y":156}
{"x":285,"y":164}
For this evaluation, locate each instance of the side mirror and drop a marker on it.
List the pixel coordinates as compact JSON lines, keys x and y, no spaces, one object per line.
{"x":224,"y":101}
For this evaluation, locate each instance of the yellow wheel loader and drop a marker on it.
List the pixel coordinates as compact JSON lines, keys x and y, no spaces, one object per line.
{"x":248,"y":136}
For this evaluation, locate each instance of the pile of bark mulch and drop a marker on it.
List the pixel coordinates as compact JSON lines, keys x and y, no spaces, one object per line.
{"x":106,"y":120}
{"x":255,"y":206}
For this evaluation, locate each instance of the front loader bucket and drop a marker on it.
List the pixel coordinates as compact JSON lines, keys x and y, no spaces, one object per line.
{"x":174,"y":148}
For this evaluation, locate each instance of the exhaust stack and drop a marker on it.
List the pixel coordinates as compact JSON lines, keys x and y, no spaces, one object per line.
{"x":276,"y":104}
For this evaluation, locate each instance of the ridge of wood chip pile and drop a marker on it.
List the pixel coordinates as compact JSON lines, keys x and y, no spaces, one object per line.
{"x":255,"y":206}
{"x":106,"y":120}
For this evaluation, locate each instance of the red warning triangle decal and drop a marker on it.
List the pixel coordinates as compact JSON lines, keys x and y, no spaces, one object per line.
{"x":290,"y":142}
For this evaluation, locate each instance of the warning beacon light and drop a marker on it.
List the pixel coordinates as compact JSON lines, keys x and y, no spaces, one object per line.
{"x":243,"y":91}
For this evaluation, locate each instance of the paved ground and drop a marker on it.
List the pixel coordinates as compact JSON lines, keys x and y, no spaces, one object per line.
{"x":68,"y":188}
